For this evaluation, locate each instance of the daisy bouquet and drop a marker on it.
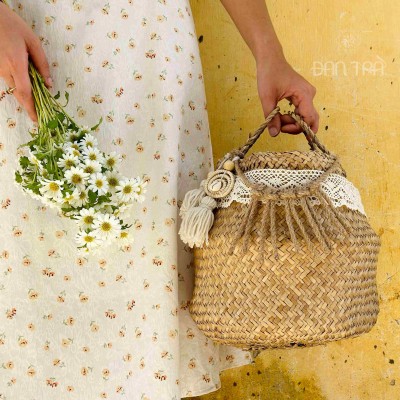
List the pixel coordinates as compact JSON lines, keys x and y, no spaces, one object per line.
{"x":64,"y":169}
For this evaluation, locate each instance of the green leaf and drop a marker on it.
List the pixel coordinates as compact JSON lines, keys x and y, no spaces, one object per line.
{"x":52,"y":124}
{"x":92,"y":196}
{"x":93,"y":128}
{"x":102,"y":198}
{"x":18,"y":177}
{"x":57,"y":96}
{"x":24,"y":162}
{"x":66,"y":98}
{"x":60,"y":116}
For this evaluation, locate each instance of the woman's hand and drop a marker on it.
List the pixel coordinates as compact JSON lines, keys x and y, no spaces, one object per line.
{"x":277,"y":80}
{"x":17,"y":44}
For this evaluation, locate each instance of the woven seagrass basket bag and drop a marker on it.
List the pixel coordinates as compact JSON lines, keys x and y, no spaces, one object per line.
{"x":284,"y":255}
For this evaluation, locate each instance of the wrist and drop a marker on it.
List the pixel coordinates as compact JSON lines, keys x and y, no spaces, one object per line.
{"x":269,"y":53}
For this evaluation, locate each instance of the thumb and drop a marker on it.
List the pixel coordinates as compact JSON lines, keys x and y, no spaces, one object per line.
{"x":274,"y":126}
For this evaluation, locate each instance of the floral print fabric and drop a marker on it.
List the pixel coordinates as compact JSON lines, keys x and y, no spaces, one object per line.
{"x":115,"y":325}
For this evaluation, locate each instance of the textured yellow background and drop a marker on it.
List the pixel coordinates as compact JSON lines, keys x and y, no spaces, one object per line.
{"x":349,"y":50}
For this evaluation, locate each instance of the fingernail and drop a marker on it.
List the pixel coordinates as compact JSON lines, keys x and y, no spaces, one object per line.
{"x":273,"y":131}
{"x":49,"y":81}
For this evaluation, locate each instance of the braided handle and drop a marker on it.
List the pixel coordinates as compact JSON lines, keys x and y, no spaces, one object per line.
{"x":311,"y":137}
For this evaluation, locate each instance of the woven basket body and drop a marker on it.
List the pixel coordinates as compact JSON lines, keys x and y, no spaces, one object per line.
{"x":302,"y":298}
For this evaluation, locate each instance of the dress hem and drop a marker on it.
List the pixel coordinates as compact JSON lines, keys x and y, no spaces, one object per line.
{"x":216,"y":387}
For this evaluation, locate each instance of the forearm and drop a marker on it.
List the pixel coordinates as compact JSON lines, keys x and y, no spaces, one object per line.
{"x":253,"y":22}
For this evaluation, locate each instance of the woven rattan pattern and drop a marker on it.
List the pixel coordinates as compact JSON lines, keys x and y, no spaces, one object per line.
{"x":293,"y":301}
{"x":290,"y":160}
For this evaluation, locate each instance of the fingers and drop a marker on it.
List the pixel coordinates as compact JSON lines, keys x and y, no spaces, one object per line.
{"x":305,"y":108}
{"x":289,"y":125}
{"x":23,"y":91}
{"x":8,"y":79}
{"x":274,"y":125}
{"x":39,"y":59}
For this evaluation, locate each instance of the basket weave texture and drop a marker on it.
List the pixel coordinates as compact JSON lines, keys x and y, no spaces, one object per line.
{"x":304,"y":298}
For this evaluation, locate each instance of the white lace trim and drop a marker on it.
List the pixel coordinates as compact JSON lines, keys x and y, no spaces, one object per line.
{"x":341,"y":191}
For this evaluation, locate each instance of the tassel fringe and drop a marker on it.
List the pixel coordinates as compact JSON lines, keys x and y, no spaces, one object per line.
{"x":197,"y":221}
{"x":317,"y":224}
{"x":192,"y":198}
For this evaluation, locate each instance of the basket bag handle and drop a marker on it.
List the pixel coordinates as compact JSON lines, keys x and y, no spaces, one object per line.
{"x":311,"y":137}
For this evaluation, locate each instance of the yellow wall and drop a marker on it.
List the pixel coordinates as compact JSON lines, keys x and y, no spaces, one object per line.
{"x":361,"y":110}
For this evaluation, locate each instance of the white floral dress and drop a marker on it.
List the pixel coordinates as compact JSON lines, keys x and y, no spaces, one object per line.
{"x":115,"y":325}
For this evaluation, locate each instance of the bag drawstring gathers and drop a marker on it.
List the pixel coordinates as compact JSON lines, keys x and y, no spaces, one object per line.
{"x":272,"y":198}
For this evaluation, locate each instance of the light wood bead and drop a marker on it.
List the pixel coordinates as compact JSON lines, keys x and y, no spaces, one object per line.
{"x":229,"y":165}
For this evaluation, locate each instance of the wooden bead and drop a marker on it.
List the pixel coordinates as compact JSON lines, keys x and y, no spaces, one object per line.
{"x":229,"y":165}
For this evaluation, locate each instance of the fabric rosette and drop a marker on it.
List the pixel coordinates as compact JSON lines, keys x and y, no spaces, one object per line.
{"x":64,"y":168}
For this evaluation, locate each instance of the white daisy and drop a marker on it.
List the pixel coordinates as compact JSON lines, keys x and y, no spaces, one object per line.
{"x":124,"y":238}
{"x":71,"y":148}
{"x":88,"y":141}
{"x":127,"y":189}
{"x":91,"y":166}
{"x":106,"y":226}
{"x":103,"y":208}
{"x":86,"y":218}
{"x":79,"y":198}
{"x":72,"y":136}
{"x":122,"y":207}
{"x":89,"y":239}
{"x":113,"y":178}
{"x":51,"y":189}
{"x":112,"y":160}
{"x":98,"y":183}
{"x":141,"y":190}
{"x":93,"y":154}
{"x":68,"y":160}
{"x":35,"y":161}
{"x":77,"y":176}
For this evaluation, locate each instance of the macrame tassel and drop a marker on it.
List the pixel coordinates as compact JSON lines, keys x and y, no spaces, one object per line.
{"x":192,"y":198}
{"x":197,"y":221}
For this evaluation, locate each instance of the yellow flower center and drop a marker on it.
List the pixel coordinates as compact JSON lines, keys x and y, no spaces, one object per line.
{"x":54,"y":187}
{"x":113,"y":182}
{"x":89,"y":169}
{"x":99,"y":183}
{"x":93,"y":157}
{"x":124,"y":235}
{"x":69,"y":163}
{"x":88,"y":219}
{"x":127,"y":189}
{"x":76,"y":179}
{"x":105,"y":226}
{"x":110,"y":162}
{"x":89,"y":239}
